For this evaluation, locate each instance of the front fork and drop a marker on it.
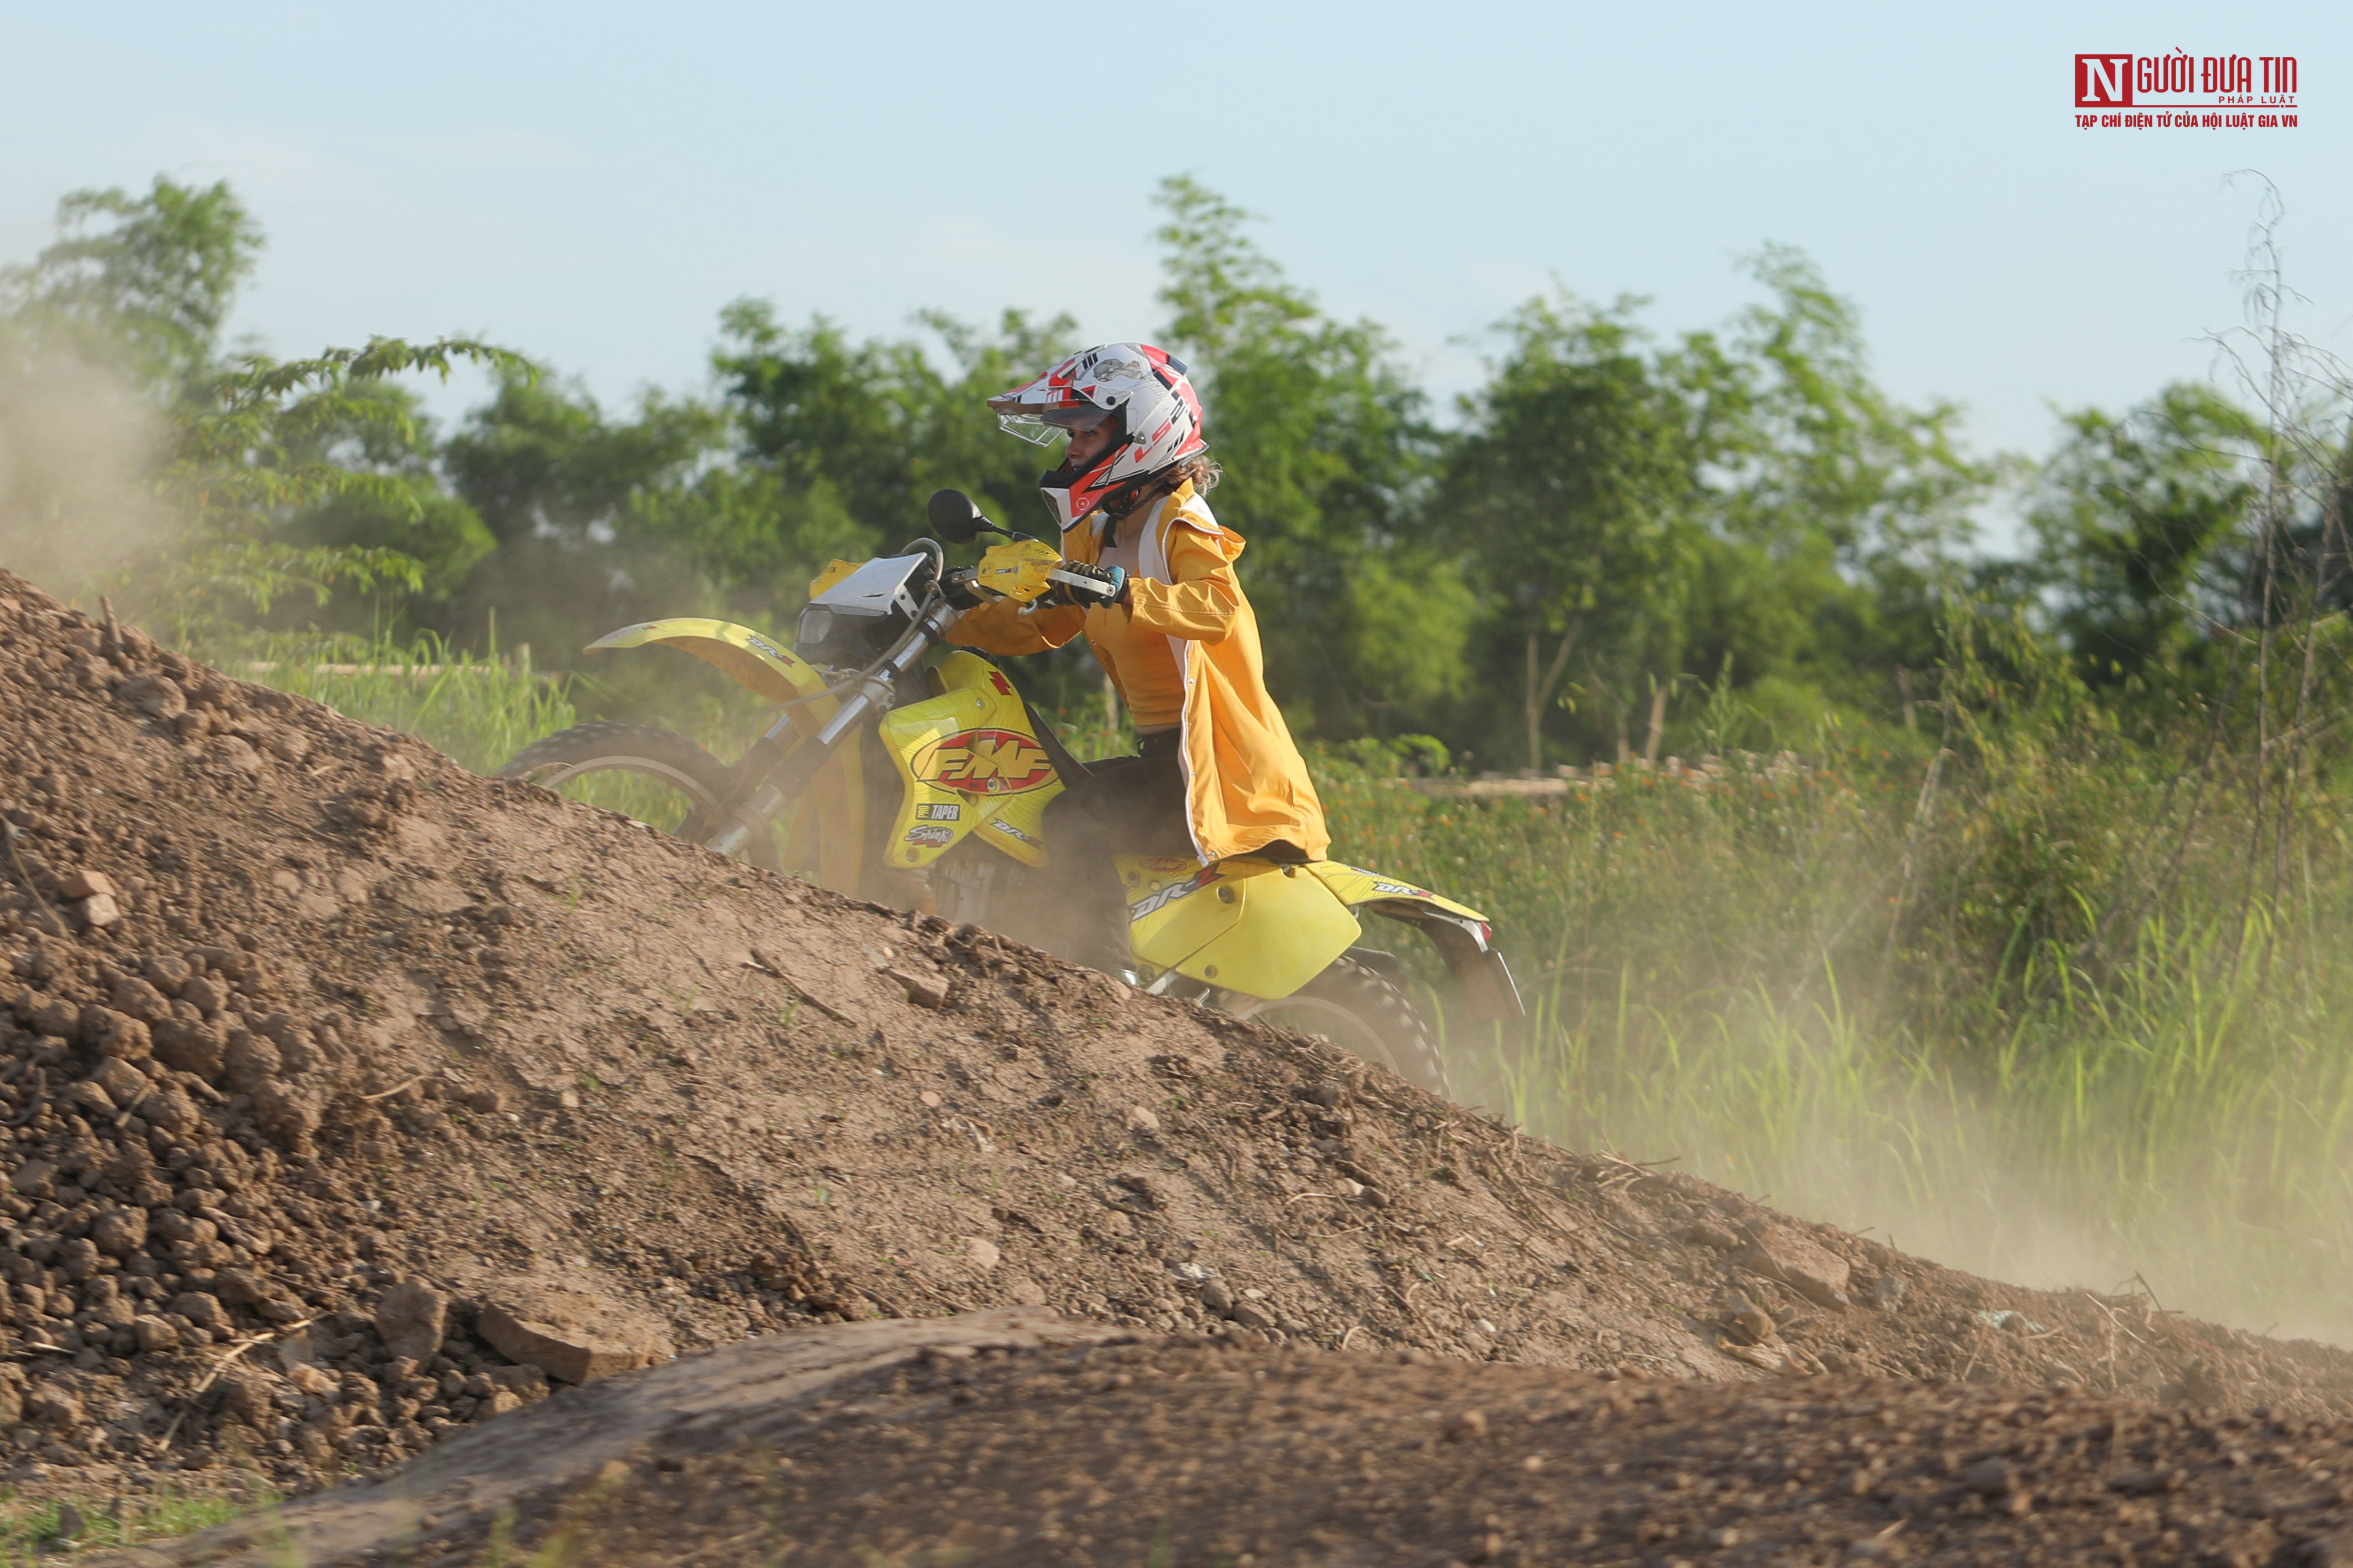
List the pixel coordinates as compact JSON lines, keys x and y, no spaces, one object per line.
{"x":774,"y":771}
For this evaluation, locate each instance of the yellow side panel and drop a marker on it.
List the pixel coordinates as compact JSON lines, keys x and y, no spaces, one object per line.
{"x":1245,"y":925}
{"x":968,"y":759}
{"x":964,"y":668}
{"x":1016,"y":825}
{"x":749,"y":658}
{"x":1173,"y":910}
{"x":1353,"y":887}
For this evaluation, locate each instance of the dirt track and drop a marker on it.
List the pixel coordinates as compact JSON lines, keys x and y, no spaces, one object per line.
{"x":378,"y":1055}
{"x":1016,"y":1438}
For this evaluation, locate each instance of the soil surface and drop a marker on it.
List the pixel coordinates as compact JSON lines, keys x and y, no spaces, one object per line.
{"x":1013,"y":1438}
{"x":350,"y":1099}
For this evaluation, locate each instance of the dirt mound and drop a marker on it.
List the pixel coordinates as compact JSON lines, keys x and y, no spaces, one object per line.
{"x":352,"y":1098}
{"x":992,"y":1438}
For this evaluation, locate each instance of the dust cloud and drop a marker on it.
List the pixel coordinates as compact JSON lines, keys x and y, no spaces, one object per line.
{"x":1970,"y":1189}
{"x":78,"y":453}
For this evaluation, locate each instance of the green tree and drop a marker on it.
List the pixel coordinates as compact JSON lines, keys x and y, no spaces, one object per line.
{"x":236,"y":460}
{"x":145,"y":282}
{"x":1328,"y":457}
{"x":2135,"y":519}
{"x":1570,"y":491}
{"x":383,"y":432}
{"x":852,"y":437}
{"x":541,"y":459}
{"x":257,"y":451}
{"x":1835,"y":515}
{"x":1747,"y":502}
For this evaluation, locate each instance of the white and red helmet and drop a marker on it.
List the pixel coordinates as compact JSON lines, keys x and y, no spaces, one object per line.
{"x":1141,"y":387}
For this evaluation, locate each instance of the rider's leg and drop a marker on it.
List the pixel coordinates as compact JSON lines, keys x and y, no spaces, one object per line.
{"x":1128,"y":806}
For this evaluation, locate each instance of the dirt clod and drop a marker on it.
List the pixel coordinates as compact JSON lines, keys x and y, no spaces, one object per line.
{"x":569,"y":1335}
{"x":84,"y":883}
{"x":411,"y":1318}
{"x":1813,"y":1270}
{"x":1743,"y":1320}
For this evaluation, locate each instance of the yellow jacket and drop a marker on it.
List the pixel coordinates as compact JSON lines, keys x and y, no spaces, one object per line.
{"x":1246,"y":785}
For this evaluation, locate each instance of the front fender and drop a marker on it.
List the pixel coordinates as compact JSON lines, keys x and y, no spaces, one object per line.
{"x":749,"y":658}
{"x":831,"y":817}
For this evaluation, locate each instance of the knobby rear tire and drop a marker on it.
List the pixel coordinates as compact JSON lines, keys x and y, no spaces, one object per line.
{"x":648,"y":750}
{"x":1361,"y":1010}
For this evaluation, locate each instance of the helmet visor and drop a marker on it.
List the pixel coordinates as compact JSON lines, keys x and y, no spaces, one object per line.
{"x":1040,"y":428}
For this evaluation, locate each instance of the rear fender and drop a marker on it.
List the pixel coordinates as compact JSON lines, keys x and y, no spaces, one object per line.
{"x":1245,"y":925}
{"x":1462,"y":934}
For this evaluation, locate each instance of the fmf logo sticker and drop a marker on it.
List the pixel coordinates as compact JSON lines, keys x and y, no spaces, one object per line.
{"x":985,"y":762}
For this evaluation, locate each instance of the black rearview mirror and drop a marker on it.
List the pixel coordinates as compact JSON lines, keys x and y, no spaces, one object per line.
{"x":955,"y":516}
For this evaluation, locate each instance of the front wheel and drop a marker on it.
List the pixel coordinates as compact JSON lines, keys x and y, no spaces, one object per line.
{"x":1359,"y":1009}
{"x":661,"y":778}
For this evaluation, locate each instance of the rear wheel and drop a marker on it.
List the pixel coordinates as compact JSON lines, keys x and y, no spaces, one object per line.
{"x":659,"y":778}
{"x":973,"y":884}
{"x":1359,"y":1009}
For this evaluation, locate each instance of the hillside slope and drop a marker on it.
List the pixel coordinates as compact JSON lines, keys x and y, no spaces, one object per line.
{"x":372,"y":1090}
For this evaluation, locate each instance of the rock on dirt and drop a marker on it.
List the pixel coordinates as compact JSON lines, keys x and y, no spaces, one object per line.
{"x":411,"y":1318}
{"x":1743,"y":1320}
{"x":570,"y":1336}
{"x":1816,"y":1272}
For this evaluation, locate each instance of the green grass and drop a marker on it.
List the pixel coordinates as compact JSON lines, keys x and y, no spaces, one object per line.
{"x":1733,"y":967}
{"x":478,"y":711}
{"x":1733,"y":972}
{"x":29,"y":1528}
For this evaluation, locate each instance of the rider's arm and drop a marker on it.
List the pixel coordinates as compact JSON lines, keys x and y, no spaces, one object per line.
{"x":998,"y":627}
{"x":1203,"y":600}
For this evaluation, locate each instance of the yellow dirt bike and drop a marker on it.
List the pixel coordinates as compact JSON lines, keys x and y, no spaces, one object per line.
{"x":950,"y":817}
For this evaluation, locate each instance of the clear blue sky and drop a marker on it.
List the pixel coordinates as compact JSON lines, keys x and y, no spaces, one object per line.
{"x":590,"y":183}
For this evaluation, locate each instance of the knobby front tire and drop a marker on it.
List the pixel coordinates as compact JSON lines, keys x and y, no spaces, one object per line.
{"x":653,"y":774}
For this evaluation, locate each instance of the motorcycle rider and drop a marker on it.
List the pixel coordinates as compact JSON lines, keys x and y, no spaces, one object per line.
{"x":1217,"y":774}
